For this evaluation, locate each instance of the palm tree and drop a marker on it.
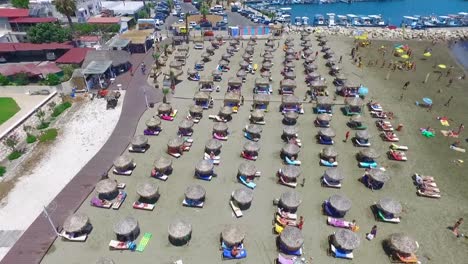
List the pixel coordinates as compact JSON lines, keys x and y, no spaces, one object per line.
{"x":170,"y":3}
{"x":67,"y":8}
{"x":204,"y":10}
{"x":186,"y":27}
{"x":172,"y":77}
{"x":165,"y":92}
{"x":165,"y":47}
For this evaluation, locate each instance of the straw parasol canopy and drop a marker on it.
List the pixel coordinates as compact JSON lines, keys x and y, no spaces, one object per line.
{"x":291,"y":172}
{"x":195,"y":192}
{"x":162,"y":163}
{"x":105,"y":260}
{"x":213,"y":145}
{"x":334,"y":174}
{"x":232,"y":235}
{"x":356,"y":118}
{"x":75,"y":223}
{"x":290,"y":51}
{"x":186,"y":124}
{"x":340,"y":202}
{"x":290,"y":130}
{"x":123,"y":162}
{"x":253,"y":129}
{"x":309,"y":59}
{"x":340,"y":76}
{"x":232,"y":97}
{"x":325,"y":47}
{"x":369,"y":152}
{"x":331,"y":61}
{"x":175,"y":64}
{"x":179,"y":230}
{"x":290,"y":75}
{"x":139,"y":141}
{"x":147,"y":190}
{"x":241,"y":74}
{"x":204,"y":166}
{"x":261,"y":98}
{"x":329,"y":151}
{"x":205,"y":55}
{"x":216,"y":72}
{"x":354,"y":101}
{"x":226,"y":110}
{"x":310,"y":67}
{"x":106,"y":188}
{"x":191,"y":72}
{"x":390,"y":205}
{"x":233,"y":43}
{"x":220,"y":127}
{"x":291,"y":149}
{"x":175,"y":142}
{"x":289,"y":39}
{"x":210,"y":49}
{"x":289,"y":57}
{"x":153,"y":122}
{"x":327,"y":132}
{"x":246,"y":56}
{"x":317,"y":84}
{"x":251,"y":146}
{"x":270,"y":43}
{"x":291,"y":115}
{"x":308,"y":52}
{"x":164,"y":108}
{"x":257,"y":114}
{"x":267,"y":65}
{"x":243,"y":64}
{"x":230,"y":49}
{"x":324,"y":117}
{"x":247,"y":169}
{"x":335,"y":68}
{"x":324,"y":100}
{"x":313,"y":75}
{"x":378,"y":175}
{"x":268,"y":55}
{"x":292,"y":238}
{"x":265,"y":74}
{"x":403,"y":243}
{"x":127,"y":226}
{"x":234,"y":81}
{"x":290,"y":64}
{"x":290,"y":200}
{"x":269,"y":49}
{"x":346,"y":239}
{"x":226,"y":56}
{"x":363,"y":134}
{"x":249,"y":49}
{"x":243,"y":197}
{"x":329,"y":53}
{"x":195,"y":109}
{"x":201,"y":96}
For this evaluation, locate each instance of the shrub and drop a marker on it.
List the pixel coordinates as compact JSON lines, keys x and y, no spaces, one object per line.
{"x":43,"y":125}
{"x":60,"y":108}
{"x":2,"y":171}
{"x":30,"y":139}
{"x":48,"y":135}
{"x":11,"y":141}
{"x":14,"y":155}
{"x":21,"y":79}
{"x":52,"y":79}
{"x":4,"y":80}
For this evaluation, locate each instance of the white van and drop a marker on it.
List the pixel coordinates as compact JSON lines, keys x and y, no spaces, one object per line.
{"x":217,"y":8}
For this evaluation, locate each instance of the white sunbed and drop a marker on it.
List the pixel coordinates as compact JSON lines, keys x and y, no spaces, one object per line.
{"x":325,"y":182}
{"x":198,"y":205}
{"x":137,"y":150}
{"x":207,"y":157}
{"x":237,"y":211}
{"x":174,"y":154}
{"x":143,"y":206}
{"x":125,"y":173}
{"x":121,"y":185}
{"x":67,"y":236}
{"x":288,"y":215}
{"x":289,"y":184}
{"x":115,"y":244}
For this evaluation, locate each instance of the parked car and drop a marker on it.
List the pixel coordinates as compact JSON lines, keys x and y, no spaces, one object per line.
{"x":193,"y":24}
{"x":199,"y":45}
{"x":208,"y":33}
{"x":206,"y":24}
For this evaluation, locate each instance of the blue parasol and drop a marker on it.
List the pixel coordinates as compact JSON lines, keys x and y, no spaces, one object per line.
{"x":363,"y":90}
{"x":427,"y":101}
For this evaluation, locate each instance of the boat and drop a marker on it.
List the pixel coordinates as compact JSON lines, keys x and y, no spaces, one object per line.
{"x":364,"y":21}
{"x":377,"y":21}
{"x":305,"y":21}
{"x":331,"y":19}
{"x":353,"y":20}
{"x":298,"y":21}
{"x":341,"y":20}
{"x":412,"y":22}
{"x":319,"y":20}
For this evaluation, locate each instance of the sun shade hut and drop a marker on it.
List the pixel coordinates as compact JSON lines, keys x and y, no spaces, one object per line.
{"x":204,"y":167}
{"x":270,"y":43}
{"x":180,"y":232}
{"x":291,"y":117}
{"x":289,"y":57}
{"x":290,"y":75}
{"x":139,"y":141}
{"x":244,"y":64}
{"x":246,"y":56}
{"x":268,"y":56}
{"x":340,"y":203}
{"x":267,"y":65}
{"x":242,"y":198}
{"x":329,"y":151}
{"x":232,"y":235}
{"x":290,"y":51}
{"x":291,"y":172}
{"x":226,"y":56}
{"x":213,"y":145}
{"x":363,"y":134}
{"x":153,"y":122}
{"x":210,"y":49}
{"x":127,"y":229}
{"x":123,"y":163}
{"x":226,"y":111}
{"x":222,"y":63}
{"x":291,"y":238}
{"x":261,"y":98}
{"x":390,"y":206}
{"x":233,"y":43}
{"x":175,"y":143}
{"x":195,"y":192}
{"x":324,"y":117}
{"x":252,"y":147}
{"x":241,"y":74}
{"x":249,"y":50}
{"x":327,"y":132}
{"x":247,"y":169}
{"x":290,"y":131}
{"x":290,"y":201}
{"x":329,"y":53}
{"x":76,"y":223}
{"x":369,"y":153}
{"x":205,"y":55}
{"x":201,"y":96}
{"x":196,"y":110}
{"x":291,"y":150}
{"x":378,"y":175}
{"x":318,"y":85}
{"x":313,"y":76}
{"x":333,"y":175}
{"x":175,"y":64}
{"x":289,"y":64}
{"x":186,"y":124}
{"x":257,"y":115}
{"x":148,"y":191}
{"x":105,"y":260}
{"x":232,"y":97}
{"x":325,"y":48}
{"x":164,"y":109}
{"x":346,"y":239}
{"x":403,"y":243}
{"x":289,"y":100}
{"x":354,"y":101}
{"x":107,"y":189}
{"x":253,"y":129}
{"x":220,"y":127}
{"x":163,"y":164}
{"x":307,"y":52}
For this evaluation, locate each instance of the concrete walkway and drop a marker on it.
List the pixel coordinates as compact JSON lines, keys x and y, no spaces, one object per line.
{"x":36,"y":240}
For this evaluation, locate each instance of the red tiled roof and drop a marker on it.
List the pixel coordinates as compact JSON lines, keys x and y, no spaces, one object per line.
{"x":104,"y":20}
{"x":89,"y":38}
{"x":73,"y":56}
{"x":10,"y":47}
{"x":33,"y":20}
{"x":13,"y":12}
{"x":7,"y":47}
{"x":31,"y":69}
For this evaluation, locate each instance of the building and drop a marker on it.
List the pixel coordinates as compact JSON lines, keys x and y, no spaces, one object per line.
{"x":123,"y":8}
{"x":6,"y":34}
{"x":84,"y":9}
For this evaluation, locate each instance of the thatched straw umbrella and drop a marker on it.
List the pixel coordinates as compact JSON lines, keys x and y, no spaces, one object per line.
{"x":289,"y":57}
{"x":354,"y":101}
{"x":164,"y":109}
{"x":340,"y":203}
{"x":290,"y":200}
{"x":241,"y":74}
{"x":267,"y":65}
{"x":346,"y":239}
{"x":329,"y":53}
{"x":204,"y":167}
{"x":201,"y":96}
{"x":139,"y":141}
{"x":291,"y":116}
{"x":289,"y":64}
{"x":180,"y":232}
{"x":105,"y":260}
{"x":195,"y":192}
{"x":309,"y":60}
{"x":289,"y":39}
{"x":363,"y":134}
{"x":233,"y":43}
{"x":290,"y":51}
{"x":324,"y":100}
{"x":324,"y":117}
{"x":369,"y":153}
{"x":220,"y":127}
{"x":210,"y":49}
{"x":291,"y":238}
{"x":127,"y":229}
{"x":163,"y":164}
{"x":290,"y":149}
{"x":153,"y":122}
{"x":257,"y":115}
{"x":175,"y":64}
{"x":378,"y":175}
{"x":243,"y":198}
{"x":175,"y":142}
{"x":246,"y":56}
{"x":311,"y":67}
{"x":290,"y":130}
{"x":148,"y":190}
{"x":390,"y":206}
{"x":232,"y":235}
{"x":261,"y":98}
{"x":308,"y":52}
{"x":325,"y":48}
{"x":247,"y":169}
{"x":213,"y":145}
{"x":327,"y":132}
{"x":196,"y":110}
{"x":290,"y":75}
{"x":205,"y":55}
{"x":268,"y":56}
{"x":226,"y":56}
{"x":334,"y":174}
{"x":403,"y":243}
{"x":230,"y":49}
{"x":232,"y":97}
{"x":244,"y":64}
{"x":123,"y":163}
{"x":107,"y":189}
{"x":318,"y":84}
{"x":226,"y":111}
{"x":270,"y":43}
{"x":313,"y":76}
{"x":191,"y":72}
{"x":291,"y":172}
{"x":251,"y":146}
{"x":266,"y":74}
{"x":186,"y":124}
{"x":254,"y":129}
{"x":249,"y":50}
{"x":76,"y":223}
{"x":331,"y":61}
{"x":329,"y":151}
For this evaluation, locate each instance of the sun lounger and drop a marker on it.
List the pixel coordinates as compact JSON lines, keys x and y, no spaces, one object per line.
{"x":449,"y":133}
{"x":101,"y":203}
{"x":285,"y":260}
{"x":397,"y":258}
{"x":143,"y":206}
{"x":285,"y":221}
{"x":178,"y":262}
{"x":292,"y":162}
{"x":144,"y":242}
{"x":326,"y":163}
{"x":148,"y":132}
{"x":287,"y":215}
{"x":174,"y":154}
{"x":237,"y":211}
{"x":257,"y":122}
{"x":119,"y":200}
{"x":340,"y":254}
{"x":217,"y":118}
{"x":124,"y":173}
{"x":288,"y":252}
{"x":166,"y":118}
{"x":368,"y":164}
{"x":386,"y":219}
{"x":278,"y":228}
{"x":174,"y":113}
{"x":338,"y":222}
{"x":289,"y":184}
{"x":227,"y":254}
{"x":190,"y":203}
{"x":160,"y":176}
{"x":218,"y":137}
{"x":137,"y":150}
{"x":328,"y":184}
{"x":115,"y":244}
{"x":398,"y":147}
{"x":249,"y":184}
{"x":207,"y":157}
{"x":121,"y":185}
{"x":458,"y":149}
{"x":205,"y":177}
{"x":429,"y":195}
{"x":69,"y":237}
{"x":247,"y":157}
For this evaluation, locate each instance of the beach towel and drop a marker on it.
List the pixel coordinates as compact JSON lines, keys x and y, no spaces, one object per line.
{"x":144,"y":242}
{"x":457,"y":149}
{"x":449,"y":133}
{"x":443,"y":120}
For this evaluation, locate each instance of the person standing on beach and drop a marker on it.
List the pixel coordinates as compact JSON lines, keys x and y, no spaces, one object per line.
{"x":449,"y":71}
{"x":372,"y":234}
{"x":401,"y":97}
{"x":460,"y":129}
{"x":448,"y":102}
{"x":456,"y":226}
{"x":450,"y":82}
{"x":341,"y":59}
{"x":405,"y":86}
{"x":347,"y":136}
{"x":316,"y":53}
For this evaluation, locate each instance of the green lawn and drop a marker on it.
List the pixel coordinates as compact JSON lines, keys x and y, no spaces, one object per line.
{"x":8,"y":108}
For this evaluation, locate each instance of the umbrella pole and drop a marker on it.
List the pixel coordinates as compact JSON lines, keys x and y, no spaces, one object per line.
{"x":50,"y":221}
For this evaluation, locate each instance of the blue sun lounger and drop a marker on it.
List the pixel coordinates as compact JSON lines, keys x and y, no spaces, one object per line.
{"x":251,"y":184}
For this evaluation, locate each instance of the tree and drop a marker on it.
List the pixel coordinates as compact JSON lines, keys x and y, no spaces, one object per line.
{"x":4,"y":80}
{"x":48,"y":32}
{"x":11,"y":141}
{"x":165,"y":47}
{"x":67,"y":8}
{"x":40,"y":114}
{"x":20,"y":3}
{"x":204,"y":10}
{"x":172,"y":78}
{"x":165,"y":92}
{"x":170,"y":4}
{"x":186,"y":27}
{"x":143,"y":14}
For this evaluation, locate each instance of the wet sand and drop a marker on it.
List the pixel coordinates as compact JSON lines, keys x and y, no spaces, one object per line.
{"x":424,"y":219}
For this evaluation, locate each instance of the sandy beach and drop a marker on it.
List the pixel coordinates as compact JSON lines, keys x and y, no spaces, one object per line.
{"x":424,"y":219}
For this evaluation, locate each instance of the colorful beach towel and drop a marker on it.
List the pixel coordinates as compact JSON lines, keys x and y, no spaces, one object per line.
{"x":443,"y":121}
{"x":144,"y":242}
{"x":449,"y":133}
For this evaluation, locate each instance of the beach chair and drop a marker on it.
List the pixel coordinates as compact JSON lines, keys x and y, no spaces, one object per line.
{"x":337,"y":253}
{"x":237,"y":211}
{"x":96,"y":202}
{"x":325,"y":141}
{"x":397,"y":155}
{"x":398,"y":147}
{"x":160,"y":176}
{"x":397,"y":258}
{"x":191,"y":203}
{"x":217,"y":118}
{"x":150,"y":132}
{"x":70,"y":237}
{"x":250,"y":137}
{"x":227,"y":254}
{"x":249,"y":184}
{"x":119,"y":200}
{"x":137,"y":150}
{"x":287,"y":215}
{"x":121,"y":185}
{"x":118,"y":245}
{"x":326,"y":163}
{"x":326,"y":183}
{"x":143,"y":206}
{"x":292,"y":162}
{"x":383,"y":218}
{"x":219,"y":137}
{"x":428,"y":194}
{"x":358,"y":143}
{"x":174,"y":154}
{"x":285,"y":183}
{"x":390,"y":136}
{"x":340,"y":223}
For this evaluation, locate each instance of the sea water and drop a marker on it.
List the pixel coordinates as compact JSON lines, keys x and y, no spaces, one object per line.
{"x":460,"y":51}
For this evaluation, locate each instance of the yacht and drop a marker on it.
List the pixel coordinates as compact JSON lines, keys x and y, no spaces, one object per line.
{"x":305,"y":20}
{"x":353,"y":20}
{"x":319,"y":20}
{"x":377,"y":21}
{"x":298,"y":21}
{"x":331,"y":19}
{"x":341,"y":20}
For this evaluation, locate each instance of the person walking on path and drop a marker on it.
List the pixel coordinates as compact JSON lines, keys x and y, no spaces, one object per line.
{"x":448,"y":102}
{"x":460,"y":129}
{"x":341,"y":59}
{"x":405,"y":86}
{"x":450,"y":82}
{"x":456,"y":226}
{"x":372,"y":234}
{"x":242,"y":100}
{"x":347,"y":136}
{"x":401,"y":97}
